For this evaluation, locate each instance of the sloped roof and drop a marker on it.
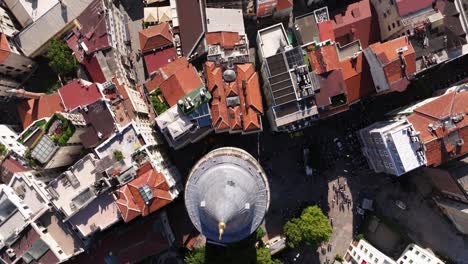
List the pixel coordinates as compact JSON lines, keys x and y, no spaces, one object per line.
{"x":357,"y":77}
{"x":243,"y":116}
{"x":440,"y":144}
{"x":175,"y":80}
{"x":79,"y":93}
{"x":4,"y":48}
{"x":165,"y":72}
{"x":155,"y":37}
{"x":32,"y":109}
{"x":325,"y":29}
{"x":324,"y":59}
{"x":406,"y":7}
{"x":130,"y":202}
{"x":389,"y":59}
{"x":225,"y":39}
{"x":284,"y":4}
{"x":158,"y":59}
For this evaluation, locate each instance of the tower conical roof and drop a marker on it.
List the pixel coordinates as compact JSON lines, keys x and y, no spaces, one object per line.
{"x":227,"y":195}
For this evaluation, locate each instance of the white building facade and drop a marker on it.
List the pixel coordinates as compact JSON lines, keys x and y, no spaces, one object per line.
{"x":392,"y":147}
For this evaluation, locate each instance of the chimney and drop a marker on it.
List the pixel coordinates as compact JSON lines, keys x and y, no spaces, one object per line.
{"x":21,"y":93}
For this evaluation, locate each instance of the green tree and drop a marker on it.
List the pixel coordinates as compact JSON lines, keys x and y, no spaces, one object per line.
{"x":60,"y":57}
{"x":196,"y":256}
{"x":118,"y":155}
{"x":259,"y":233}
{"x":3,"y":149}
{"x":311,"y":227}
{"x":264,"y":257}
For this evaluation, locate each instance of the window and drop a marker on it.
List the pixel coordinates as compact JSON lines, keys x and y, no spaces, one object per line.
{"x":376,"y":260}
{"x":360,"y":247}
{"x":417,"y":252}
{"x":385,"y":15}
{"x":398,"y":23}
{"x":365,"y":251}
{"x":370,"y":255}
{"x":9,"y":67}
{"x":423,"y":256}
{"x":389,"y":28}
{"x":411,"y":261}
{"x":391,"y":2}
{"x":393,"y":24}
{"x":405,"y":257}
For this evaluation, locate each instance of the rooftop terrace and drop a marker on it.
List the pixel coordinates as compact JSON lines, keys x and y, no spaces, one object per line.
{"x":272,"y":39}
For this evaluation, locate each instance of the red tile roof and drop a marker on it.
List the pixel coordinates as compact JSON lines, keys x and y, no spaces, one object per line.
{"x":406,"y":7}
{"x":356,"y":74}
{"x":244,"y":117}
{"x":389,"y":58}
{"x":77,"y":93}
{"x":13,"y":166}
{"x":226,"y":39}
{"x":130,"y":202}
{"x":284,"y":4}
{"x":4,"y":48}
{"x":331,"y":84}
{"x":440,"y":144}
{"x":355,"y":23}
{"x":324,"y":59}
{"x":32,"y":110}
{"x":175,"y":80}
{"x":158,"y":59}
{"x":326,"y":30}
{"x":155,"y":37}
{"x":94,"y":70}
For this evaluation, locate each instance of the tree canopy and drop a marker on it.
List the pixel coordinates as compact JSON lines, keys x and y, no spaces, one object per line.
{"x":60,"y":57}
{"x":264,"y":257}
{"x":311,"y":227}
{"x":196,"y":256}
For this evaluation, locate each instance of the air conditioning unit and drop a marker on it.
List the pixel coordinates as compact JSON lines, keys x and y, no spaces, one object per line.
{"x":10,"y":252}
{"x":460,"y":142}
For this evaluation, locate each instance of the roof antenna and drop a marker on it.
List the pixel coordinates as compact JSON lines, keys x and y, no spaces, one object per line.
{"x":221,"y":227}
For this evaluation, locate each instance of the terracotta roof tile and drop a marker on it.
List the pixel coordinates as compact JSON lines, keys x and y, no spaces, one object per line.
{"x":242,"y":117}
{"x":78,"y":93}
{"x":441,"y":144}
{"x":4,"y":48}
{"x":354,"y":23}
{"x":165,"y":72}
{"x":389,"y":58}
{"x":130,"y":202}
{"x":155,"y":37}
{"x":406,"y":7}
{"x":32,"y":110}
{"x":331,"y":84}
{"x":158,"y":59}
{"x":357,"y":77}
{"x":180,"y":84}
{"x":324,"y":59}
{"x":94,"y":70}
{"x":226,"y":39}
{"x":326,"y":30}
{"x":284,"y":4}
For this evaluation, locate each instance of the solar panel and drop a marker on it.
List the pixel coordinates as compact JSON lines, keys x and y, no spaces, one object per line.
{"x":295,"y":57}
{"x":276,"y":64}
{"x":146,"y":193}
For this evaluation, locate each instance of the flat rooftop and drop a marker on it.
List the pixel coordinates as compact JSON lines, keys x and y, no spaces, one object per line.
{"x":100,"y":214}
{"x":29,"y":195}
{"x":224,"y":19}
{"x":272,"y":39}
{"x":72,"y":188}
{"x":68,"y":242}
{"x":307,"y":29}
{"x":35,"y":9}
{"x":126,"y":141}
